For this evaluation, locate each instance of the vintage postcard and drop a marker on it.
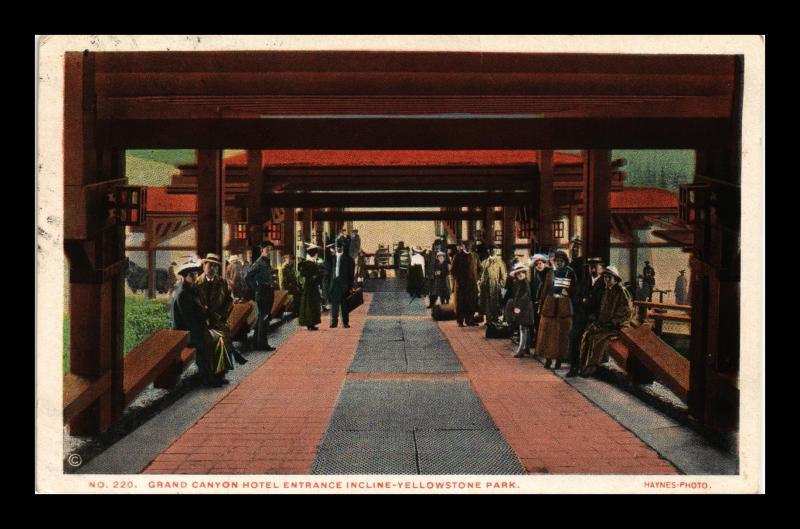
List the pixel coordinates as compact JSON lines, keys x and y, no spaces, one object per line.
{"x":400,"y":264}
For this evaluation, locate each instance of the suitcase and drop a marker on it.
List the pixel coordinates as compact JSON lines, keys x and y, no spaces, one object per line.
{"x":354,"y":299}
{"x":498,"y":330}
{"x":444,"y":312}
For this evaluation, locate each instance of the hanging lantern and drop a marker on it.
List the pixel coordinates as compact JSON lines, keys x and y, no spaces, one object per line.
{"x":274,"y":232}
{"x":128,"y":205}
{"x":558,"y":229}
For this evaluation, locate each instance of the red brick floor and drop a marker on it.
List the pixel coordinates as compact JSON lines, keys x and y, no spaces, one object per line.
{"x":274,"y":420}
{"x":551,"y":427}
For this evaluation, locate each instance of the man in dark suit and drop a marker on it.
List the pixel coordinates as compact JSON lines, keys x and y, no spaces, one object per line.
{"x":341,"y":276}
{"x":186,"y":314}
{"x":586,"y":306}
{"x":260,"y":281}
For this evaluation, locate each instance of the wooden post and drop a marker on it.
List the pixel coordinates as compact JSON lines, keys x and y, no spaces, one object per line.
{"x":210,"y":201}
{"x":546,"y":200}
{"x":289,"y":235}
{"x":509,"y":234}
{"x":596,"y":209}
{"x":633,"y":263}
{"x":572,"y":221}
{"x":255,"y":206}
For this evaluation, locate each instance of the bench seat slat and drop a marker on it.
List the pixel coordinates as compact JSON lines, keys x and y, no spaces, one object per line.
{"x":666,"y":364}
{"x":157,"y":353}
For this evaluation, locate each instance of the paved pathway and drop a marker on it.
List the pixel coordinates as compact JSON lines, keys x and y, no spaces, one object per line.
{"x":551,"y":427}
{"x":399,"y":394}
{"x":273,"y":421}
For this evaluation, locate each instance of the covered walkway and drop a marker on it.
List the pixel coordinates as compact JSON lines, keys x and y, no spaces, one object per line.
{"x":400,"y":394}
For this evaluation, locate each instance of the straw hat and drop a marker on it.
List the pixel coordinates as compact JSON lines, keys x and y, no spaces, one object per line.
{"x":311,"y":246}
{"x":233,"y":258}
{"x":519,"y":267}
{"x":212,"y":258}
{"x":189,"y":266}
{"x":539,"y":257}
{"x":612,"y":270}
{"x":416,"y":249}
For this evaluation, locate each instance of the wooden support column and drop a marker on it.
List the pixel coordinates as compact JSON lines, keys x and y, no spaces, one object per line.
{"x":306,"y":224}
{"x":289,"y":235}
{"x":256,"y":211}
{"x":210,"y":201}
{"x":596,"y":194}
{"x":95,"y":247}
{"x":470,"y":227}
{"x":546,"y":200}
{"x":509,"y":233}
{"x":572,"y":221}
{"x":633,"y":263}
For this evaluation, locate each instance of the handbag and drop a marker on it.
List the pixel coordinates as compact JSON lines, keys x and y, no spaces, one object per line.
{"x":499,"y":330}
{"x":354,"y":299}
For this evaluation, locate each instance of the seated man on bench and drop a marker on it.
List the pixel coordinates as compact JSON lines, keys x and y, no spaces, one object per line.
{"x":616,"y":312}
{"x":187,"y":314}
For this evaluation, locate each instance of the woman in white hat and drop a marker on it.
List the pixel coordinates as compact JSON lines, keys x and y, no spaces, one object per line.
{"x":215,"y":296}
{"x":616,"y":312}
{"x":308,"y":278}
{"x":519,"y":309}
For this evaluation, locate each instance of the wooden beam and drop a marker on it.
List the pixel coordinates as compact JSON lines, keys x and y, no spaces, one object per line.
{"x":424,"y":133}
{"x":210,"y":185}
{"x":597,"y":214}
{"x":404,"y":199}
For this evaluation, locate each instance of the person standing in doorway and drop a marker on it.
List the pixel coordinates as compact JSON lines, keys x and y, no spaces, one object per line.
{"x":341,"y":282}
{"x":261,"y":283}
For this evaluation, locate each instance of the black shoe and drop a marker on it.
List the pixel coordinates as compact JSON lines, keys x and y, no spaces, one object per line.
{"x":333,"y":325}
{"x":346,"y":325}
{"x":519,"y":354}
{"x":224,"y":380}
{"x":241,"y":360}
{"x":548,"y":363}
{"x":460,"y":324}
{"x":312,"y":328}
{"x":572,"y":373}
{"x":212,"y":383}
{"x":268,"y":348}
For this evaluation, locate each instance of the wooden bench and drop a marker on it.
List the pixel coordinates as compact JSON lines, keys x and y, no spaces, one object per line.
{"x":81,"y":392}
{"x":664,"y":363}
{"x":154,"y":360}
{"x":238,"y":318}
{"x":621,"y":354}
{"x":660,"y":317}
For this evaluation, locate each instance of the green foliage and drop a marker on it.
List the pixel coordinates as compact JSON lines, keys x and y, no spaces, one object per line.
{"x":172,"y":157}
{"x":143,"y":317}
{"x":666,"y":169}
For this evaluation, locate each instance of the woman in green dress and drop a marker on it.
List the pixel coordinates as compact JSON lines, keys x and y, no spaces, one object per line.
{"x":309,"y":275}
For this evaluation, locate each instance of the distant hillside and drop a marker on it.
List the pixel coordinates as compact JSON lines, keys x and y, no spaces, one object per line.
{"x":144,"y":172}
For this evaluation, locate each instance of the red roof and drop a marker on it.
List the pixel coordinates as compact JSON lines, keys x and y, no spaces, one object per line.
{"x":644,"y":198}
{"x":399,"y":158}
{"x":159,"y":201}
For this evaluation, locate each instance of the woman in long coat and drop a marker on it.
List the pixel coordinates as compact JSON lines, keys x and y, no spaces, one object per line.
{"x":555,"y":312}
{"x":493,"y":279}
{"x":440,"y":285}
{"x":519,"y":309}
{"x":616,"y":312}
{"x":309,"y":274}
{"x":416,"y":274}
{"x":465,"y":276}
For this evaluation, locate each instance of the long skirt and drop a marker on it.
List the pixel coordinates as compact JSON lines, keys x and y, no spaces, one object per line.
{"x":416,"y":281}
{"x":594,"y":346}
{"x":555,"y":322}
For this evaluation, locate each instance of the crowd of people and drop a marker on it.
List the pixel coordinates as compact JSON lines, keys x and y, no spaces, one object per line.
{"x":554,"y":308}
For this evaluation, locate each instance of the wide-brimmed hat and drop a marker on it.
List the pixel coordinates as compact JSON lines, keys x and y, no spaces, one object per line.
{"x":417,"y":249}
{"x":233,"y":258}
{"x":519,"y":267}
{"x":562,"y":254}
{"x":189,"y":266}
{"x":539,"y":257}
{"x":312,"y":246}
{"x":441,"y":253}
{"x":613,"y":271}
{"x":212,"y":258}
